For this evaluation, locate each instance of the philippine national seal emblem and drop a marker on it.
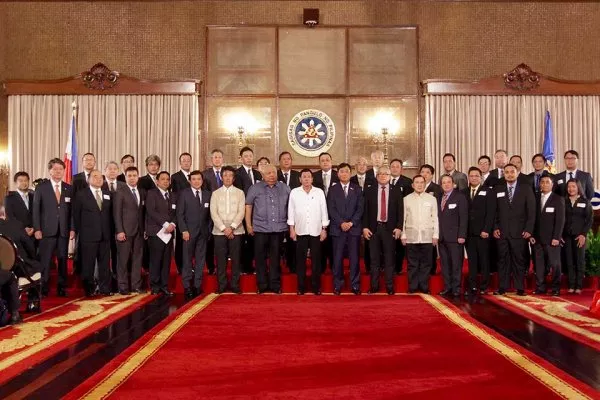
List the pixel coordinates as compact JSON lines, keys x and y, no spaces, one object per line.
{"x":311,"y":132}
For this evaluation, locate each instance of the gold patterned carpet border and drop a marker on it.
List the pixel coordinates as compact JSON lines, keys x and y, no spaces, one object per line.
{"x":553,"y":382}
{"x":35,"y":336}
{"x":109,"y":384}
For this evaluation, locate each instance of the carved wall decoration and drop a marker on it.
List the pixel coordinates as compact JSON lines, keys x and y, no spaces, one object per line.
{"x":100,"y":77}
{"x":522,"y":78}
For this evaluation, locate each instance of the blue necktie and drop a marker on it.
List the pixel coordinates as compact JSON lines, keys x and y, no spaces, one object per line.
{"x":219,"y":180}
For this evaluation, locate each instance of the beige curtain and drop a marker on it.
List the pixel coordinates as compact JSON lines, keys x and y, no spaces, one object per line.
{"x":108,"y":126}
{"x":470,"y":126}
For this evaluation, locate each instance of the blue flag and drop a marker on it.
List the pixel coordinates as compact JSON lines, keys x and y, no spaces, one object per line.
{"x":548,"y":146}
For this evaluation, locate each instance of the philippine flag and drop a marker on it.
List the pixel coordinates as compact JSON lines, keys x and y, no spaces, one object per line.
{"x":71,"y":151}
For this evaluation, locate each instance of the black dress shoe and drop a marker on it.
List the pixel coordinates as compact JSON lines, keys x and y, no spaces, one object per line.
{"x":372,"y":291}
{"x":33,"y":306}
{"x":105,"y":293}
{"x":555,"y":293}
{"x":483,"y":292}
{"x":499,"y":292}
{"x":123,"y":292}
{"x":237,"y":291}
{"x":166,"y":292}
{"x":211,"y":271}
{"x":356,"y":291}
{"x":317,"y":293}
{"x":261,"y":291}
{"x":61,"y":292}
{"x":537,"y":291}
{"x":391,"y":292}
{"x":426,"y":291}
{"x":300,"y":292}
{"x":456,"y":294}
{"x":444,"y":293}
{"x":15,"y":318}
{"x":337,"y":292}
{"x":412,"y":291}
{"x":189,"y":294}
{"x":139,"y":291}
{"x":155,"y":292}
{"x":278,"y":291}
{"x":219,"y":291}
{"x":521,"y":293}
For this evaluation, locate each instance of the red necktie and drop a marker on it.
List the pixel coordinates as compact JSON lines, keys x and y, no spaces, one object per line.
{"x":382,"y":206}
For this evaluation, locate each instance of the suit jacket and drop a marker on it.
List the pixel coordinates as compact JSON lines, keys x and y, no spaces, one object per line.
{"x":118,"y":185}
{"x":531,"y":177}
{"x":121,"y":178}
{"x":550,"y":220}
{"x":48,"y":215}
{"x":191,"y":216}
{"x":79,"y":182}
{"x":128,"y":215}
{"x":454,"y":218}
{"x":460,"y":180}
{"x":209,"y":180}
{"x":318,"y":179}
{"x":405,"y":185}
{"x":492,"y":180}
{"x":518,"y":217}
{"x":16,"y":209}
{"x":294,"y":178}
{"x":242,"y":179}
{"x":578,"y":217}
{"x":158,"y":210}
{"x":435,"y":190}
{"x":146,"y":182}
{"x":92,"y":224}
{"x":343,"y":208}
{"x":585,"y":178}
{"x":395,"y":211}
{"x":179,"y":182}
{"x":354,"y":179}
{"x":482,"y":210}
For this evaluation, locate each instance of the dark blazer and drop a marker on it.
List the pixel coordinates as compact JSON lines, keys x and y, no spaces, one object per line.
{"x":47,"y":213}
{"x":370,"y":176}
{"x":79,"y":182}
{"x":578,"y":218}
{"x":318,"y":179}
{"x":159,"y":211}
{"x":119,"y":185}
{"x":91,"y":223}
{"x":209,"y":179}
{"x":550,"y":221}
{"x":242,"y":179}
{"x":492,"y":180}
{"x":435,"y":190}
{"x":146,"y":183}
{"x":191,"y":216}
{"x":460,"y":180}
{"x":454,"y":218}
{"x":405,"y":185}
{"x":395,"y":212}
{"x":560,"y":183}
{"x":16,"y":209}
{"x":121,"y":178}
{"x":482,"y":210}
{"x":345,"y":209}
{"x":294,"y":178}
{"x":532,"y":179}
{"x":354,"y":179}
{"x":128,"y":216}
{"x":518,"y":217}
{"x":179,"y":182}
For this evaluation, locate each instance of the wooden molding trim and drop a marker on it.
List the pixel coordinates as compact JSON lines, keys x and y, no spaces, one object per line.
{"x":101,"y":80}
{"x":522,"y":80}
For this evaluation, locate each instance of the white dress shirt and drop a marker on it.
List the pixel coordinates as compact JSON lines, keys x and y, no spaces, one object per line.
{"x":544,"y":198}
{"x":287,"y":178}
{"x":420,"y":218}
{"x":567,"y":172}
{"x":307,"y":212}
{"x":326,"y":180}
{"x":250,"y":174}
{"x":54,"y":184}
{"x":137,"y":193}
{"x":361,"y":179}
{"x":25,"y":197}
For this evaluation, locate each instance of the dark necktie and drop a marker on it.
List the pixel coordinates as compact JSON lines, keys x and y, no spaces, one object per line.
{"x":473,"y":193}
{"x":382,"y":206}
{"x":112,"y":186}
{"x":510,"y":194}
{"x":537,"y":182}
{"x":394,"y":182}
{"x":135,"y":197}
{"x":345,"y":190}
{"x":198,"y":197}
{"x":285,"y":176}
{"x":219,"y":180}
{"x":167,"y":196}
{"x":444,"y":200}
{"x":570,"y":175}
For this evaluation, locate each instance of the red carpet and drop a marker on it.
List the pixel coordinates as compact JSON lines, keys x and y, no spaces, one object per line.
{"x":43,"y":335}
{"x":560,"y":314}
{"x":291,"y":347}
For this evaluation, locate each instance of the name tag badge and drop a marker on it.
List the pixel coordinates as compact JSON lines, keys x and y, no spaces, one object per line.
{"x":173,"y":206}
{"x":206,"y":205}
{"x":482,"y":193}
{"x":560,"y":182}
{"x":106,"y":197}
{"x":67,"y":199}
{"x":581,"y":205}
{"x":452,"y":206}
{"x":550,"y":209}
{"x":501,"y":194}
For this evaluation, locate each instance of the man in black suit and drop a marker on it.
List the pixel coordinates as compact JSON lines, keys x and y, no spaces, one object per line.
{"x":92,"y":216}
{"x":360,"y":178}
{"x":53,"y":223}
{"x":148,"y":181}
{"x":484,"y":163}
{"x":80,"y":180}
{"x":19,"y":204}
{"x":213,"y":180}
{"x":128,"y":212}
{"x":126,"y":161}
{"x":345,"y":205}
{"x":548,"y":231}
{"x":382,"y":224}
{"x":405,"y":185}
{"x":572,"y":172}
{"x":515,"y":219}
{"x":500,"y":161}
{"x":482,"y":210}
{"x":538,"y":162}
{"x":112,"y":184}
{"x":180,"y":181}
{"x":453,"y":218}
{"x":287,"y":175}
{"x":377,"y":162}
{"x":246,"y":176}
{"x":324,"y":179}
{"x":161,"y":208}
{"x":193,"y":219}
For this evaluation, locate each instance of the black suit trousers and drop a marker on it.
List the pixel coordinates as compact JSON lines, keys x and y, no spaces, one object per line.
{"x":92,"y":253}
{"x":511,"y":262}
{"x":303,"y":243}
{"x":195,"y":249}
{"x":130,"y":252}
{"x":248,"y":247}
{"x":267,"y":245}
{"x":418,"y":256}
{"x":352,"y":243}
{"x":160,"y":263}
{"x":575,"y":259}
{"x":223,"y":248}
{"x":547,"y":258}
{"x":49,"y":245}
{"x":10,"y":290}
{"x":452,"y":255}
{"x":383,"y":255}
{"x":400,"y":254}
{"x":478,"y":250}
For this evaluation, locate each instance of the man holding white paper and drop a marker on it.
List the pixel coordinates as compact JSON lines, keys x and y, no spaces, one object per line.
{"x":161,"y":207}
